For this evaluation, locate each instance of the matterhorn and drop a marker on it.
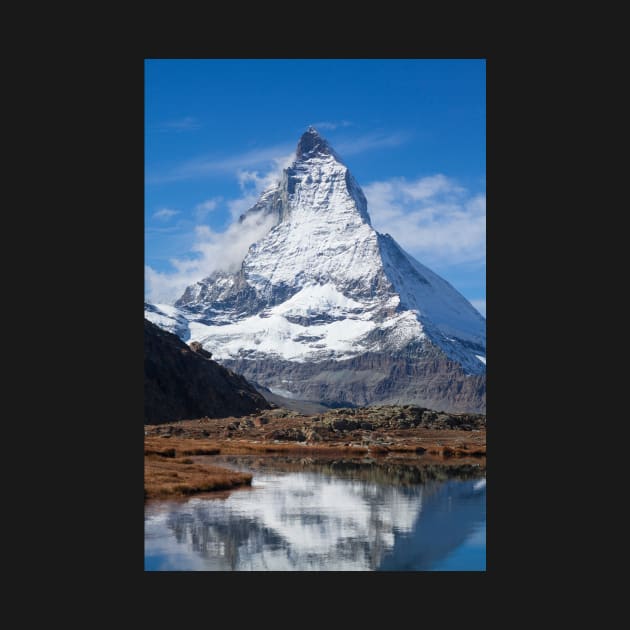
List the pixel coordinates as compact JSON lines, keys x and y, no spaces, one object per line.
{"x":324,"y":308}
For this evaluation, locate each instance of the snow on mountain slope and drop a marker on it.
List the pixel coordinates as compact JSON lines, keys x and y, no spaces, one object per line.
{"x":334,"y":327}
{"x":314,"y":299}
{"x":169,"y":318}
{"x":275,"y":335}
{"x":322,"y":285}
{"x":324,"y":236}
{"x":435,"y":300}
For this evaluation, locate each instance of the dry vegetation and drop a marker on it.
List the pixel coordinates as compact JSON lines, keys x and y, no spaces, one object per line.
{"x":166,"y":475}
{"x":168,"y":448}
{"x":271,"y":433}
{"x":179,"y":447}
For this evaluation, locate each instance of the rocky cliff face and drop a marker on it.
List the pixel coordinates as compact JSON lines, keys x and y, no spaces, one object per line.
{"x":326,"y":308}
{"x":420,"y":374}
{"x":181,"y":382}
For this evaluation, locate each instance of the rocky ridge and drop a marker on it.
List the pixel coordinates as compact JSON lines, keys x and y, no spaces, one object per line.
{"x":184,"y":382}
{"x":379,"y":429}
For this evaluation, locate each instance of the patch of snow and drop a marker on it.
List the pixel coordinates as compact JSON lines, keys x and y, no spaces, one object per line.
{"x":285,"y":393}
{"x":168,"y":318}
{"x":433,"y":297}
{"x":275,"y":335}
{"x":317,"y":299}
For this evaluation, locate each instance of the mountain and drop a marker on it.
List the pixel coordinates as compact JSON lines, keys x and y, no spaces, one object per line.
{"x":326,"y":308}
{"x":184,"y":382}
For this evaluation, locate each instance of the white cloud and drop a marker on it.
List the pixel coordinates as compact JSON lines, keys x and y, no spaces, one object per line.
{"x":332,"y":125}
{"x":183,"y":124}
{"x":205,"y":207}
{"x":434,"y":218}
{"x":431,"y":186}
{"x":253,"y":183}
{"x":480,"y":305}
{"x":368,"y":142}
{"x":199,"y":167}
{"x":264,"y":157}
{"x":212,"y":251}
{"x":165,"y":214}
{"x":238,"y":206}
{"x":163,"y":288}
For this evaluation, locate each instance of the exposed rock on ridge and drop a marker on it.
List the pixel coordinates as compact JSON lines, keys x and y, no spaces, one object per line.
{"x":180,"y":382}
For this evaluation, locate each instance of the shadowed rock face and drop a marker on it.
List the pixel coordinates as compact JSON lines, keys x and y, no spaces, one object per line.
{"x":421,"y":376}
{"x":180,"y":382}
{"x":310,"y":143}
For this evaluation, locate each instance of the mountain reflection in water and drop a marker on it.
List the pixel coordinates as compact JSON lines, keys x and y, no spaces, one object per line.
{"x":314,"y":515}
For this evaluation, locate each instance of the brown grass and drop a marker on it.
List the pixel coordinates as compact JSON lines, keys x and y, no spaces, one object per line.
{"x":432,"y":444}
{"x":448,"y":451}
{"x":178,"y":447}
{"x":162,"y":452}
{"x":233,"y":448}
{"x":376,"y":449}
{"x":170,"y":471}
{"x":412,"y":449}
{"x":165,"y":477}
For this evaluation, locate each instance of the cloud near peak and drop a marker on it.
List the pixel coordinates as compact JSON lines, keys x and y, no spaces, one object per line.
{"x":331,"y":125}
{"x":212,"y":251}
{"x":164,"y":214}
{"x":434,"y":218}
{"x":189,"y":123}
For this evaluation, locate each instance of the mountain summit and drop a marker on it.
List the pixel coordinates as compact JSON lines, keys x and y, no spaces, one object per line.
{"x":325,"y":308}
{"x":311,"y":143}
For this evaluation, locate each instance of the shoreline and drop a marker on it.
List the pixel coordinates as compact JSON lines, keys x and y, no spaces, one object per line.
{"x":361,"y":433}
{"x":166,"y":477}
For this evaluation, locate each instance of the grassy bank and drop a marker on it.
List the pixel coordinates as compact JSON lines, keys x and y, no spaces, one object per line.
{"x":180,"y":447}
{"x":168,"y":448}
{"x":177,"y":476}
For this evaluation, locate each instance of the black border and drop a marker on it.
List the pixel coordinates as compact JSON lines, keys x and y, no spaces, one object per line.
{"x":113,"y":210}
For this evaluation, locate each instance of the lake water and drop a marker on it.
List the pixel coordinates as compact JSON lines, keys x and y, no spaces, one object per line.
{"x":304,"y":514}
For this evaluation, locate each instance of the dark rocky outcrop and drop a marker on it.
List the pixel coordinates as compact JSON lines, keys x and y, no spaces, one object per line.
{"x":195,"y":346}
{"x":396,"y":417}
{"x":181,"y":382}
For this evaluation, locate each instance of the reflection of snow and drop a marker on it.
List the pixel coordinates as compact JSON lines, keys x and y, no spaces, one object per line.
{"x":339,"y":509}
{"x":297,"y":521}
{"x":308,"y":516}
{"x":480,"y":484}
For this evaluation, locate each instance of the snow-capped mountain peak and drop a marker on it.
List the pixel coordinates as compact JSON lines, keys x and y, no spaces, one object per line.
{"x":323,"y":288}
{"x":311,"y":144}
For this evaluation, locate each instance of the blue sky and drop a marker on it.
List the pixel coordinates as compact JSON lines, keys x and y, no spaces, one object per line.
{"x":218,"y":131}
